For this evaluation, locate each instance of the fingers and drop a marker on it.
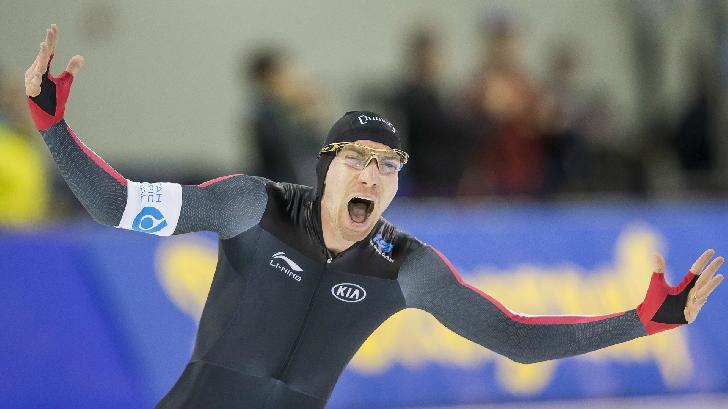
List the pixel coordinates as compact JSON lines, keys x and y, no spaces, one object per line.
{"x":47,"y":49}
{"x":659,"y":263}
{"x":32,"y":83}
{"x":697,"y":297}
{"x":51,"y":38}
{"x":44,"y":56}
{"x":705,"y":290}
{"x":75,"y":64}
{"x":692,"y":310}
{"x":33,"y":76}
{"x":34,"y":73}
{"x":33,"y":66}
{"x":700,"y":263}
{"x":693,"y":305}
{"x":709,"y":271}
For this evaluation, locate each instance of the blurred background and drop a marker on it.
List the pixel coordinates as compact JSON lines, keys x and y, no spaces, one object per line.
{"x":556,"y":146}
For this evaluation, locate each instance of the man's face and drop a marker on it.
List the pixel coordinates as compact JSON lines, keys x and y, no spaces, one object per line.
{"x":355,"y":199}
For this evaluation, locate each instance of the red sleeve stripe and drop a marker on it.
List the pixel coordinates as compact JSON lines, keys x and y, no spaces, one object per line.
{"x":526,"y":319}
{"x":100,"y":162}
{"x":216,"y":180}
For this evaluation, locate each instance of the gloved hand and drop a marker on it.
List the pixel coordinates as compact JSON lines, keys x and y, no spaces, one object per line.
{"x":47,"y":95}
{"x":666,"y":307}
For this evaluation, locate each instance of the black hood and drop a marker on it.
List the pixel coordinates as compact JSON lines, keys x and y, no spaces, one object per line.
{"x":353,"y":126}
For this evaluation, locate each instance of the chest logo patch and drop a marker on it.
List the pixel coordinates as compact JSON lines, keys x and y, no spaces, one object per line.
{"x":382,"y":247}
{"x":289,"y":270}
{"x":348,"y":292}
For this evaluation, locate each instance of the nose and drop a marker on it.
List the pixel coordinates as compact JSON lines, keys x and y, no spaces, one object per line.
{"x":370,"y":174}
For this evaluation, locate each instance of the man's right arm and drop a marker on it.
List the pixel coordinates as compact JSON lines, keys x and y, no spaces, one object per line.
{"x":227,"y":206}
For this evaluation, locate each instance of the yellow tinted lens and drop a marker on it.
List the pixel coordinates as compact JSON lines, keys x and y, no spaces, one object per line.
{"x":353,"y":156}
{"x":389,"y":164}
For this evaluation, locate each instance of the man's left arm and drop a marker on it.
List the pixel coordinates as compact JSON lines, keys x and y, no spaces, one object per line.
{"x":429,"y":282}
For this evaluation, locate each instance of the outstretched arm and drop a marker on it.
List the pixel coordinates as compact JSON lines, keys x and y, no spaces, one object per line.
{"x":227,"y":206}
{"x":429,"y":282}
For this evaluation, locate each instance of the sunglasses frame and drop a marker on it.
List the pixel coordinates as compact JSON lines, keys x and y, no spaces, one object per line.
{"x":337,"y":146}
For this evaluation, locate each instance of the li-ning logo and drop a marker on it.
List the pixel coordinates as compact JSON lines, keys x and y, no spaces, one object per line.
{"x":382,"y":247}
{"x":363,"y":119}
{"x":292,"y":266}
{"x":149,"y":220}
{"x":348,"y":292}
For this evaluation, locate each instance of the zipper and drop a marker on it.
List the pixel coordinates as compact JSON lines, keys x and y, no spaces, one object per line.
{"x":320,"y":236}
{"x":329,"y":259}
{"x":305,"y":322}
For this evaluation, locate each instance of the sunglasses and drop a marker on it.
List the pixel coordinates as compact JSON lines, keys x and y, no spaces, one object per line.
{"x":359,"y":156}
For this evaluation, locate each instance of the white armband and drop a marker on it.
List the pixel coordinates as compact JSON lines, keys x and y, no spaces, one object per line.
{"x":152,"y":207}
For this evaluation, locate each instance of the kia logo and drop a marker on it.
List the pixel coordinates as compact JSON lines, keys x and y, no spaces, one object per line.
{"x":348,"y":292}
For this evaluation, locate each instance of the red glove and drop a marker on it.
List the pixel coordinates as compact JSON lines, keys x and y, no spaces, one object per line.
{"x":664,"y":306}
{"x":49,"y":106}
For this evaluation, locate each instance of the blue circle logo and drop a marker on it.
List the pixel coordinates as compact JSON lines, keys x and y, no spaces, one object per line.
{"x":149,"y":220}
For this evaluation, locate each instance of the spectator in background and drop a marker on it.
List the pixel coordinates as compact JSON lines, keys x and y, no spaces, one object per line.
{"x":285,"y":119}
{"x":568,"y":155}
{"x":693,"y":137}
{"x":432,"y":131}
{"x":580,"y":151}
{"x":506,"y":157}
{"x":24,"y":193}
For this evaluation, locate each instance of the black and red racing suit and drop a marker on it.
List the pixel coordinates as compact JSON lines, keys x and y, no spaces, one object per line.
{"x":284,"y":315}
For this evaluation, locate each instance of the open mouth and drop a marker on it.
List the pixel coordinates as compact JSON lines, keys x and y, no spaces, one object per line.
{"x":360,"y":209}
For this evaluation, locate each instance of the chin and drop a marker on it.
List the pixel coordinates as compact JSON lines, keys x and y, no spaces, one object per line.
{"x":353,"y":236}
{"x":353,"y":231}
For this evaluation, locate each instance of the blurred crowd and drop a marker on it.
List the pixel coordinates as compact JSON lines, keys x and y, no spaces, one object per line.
{"x":509,"y":133}
{"x":506,"y":133}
